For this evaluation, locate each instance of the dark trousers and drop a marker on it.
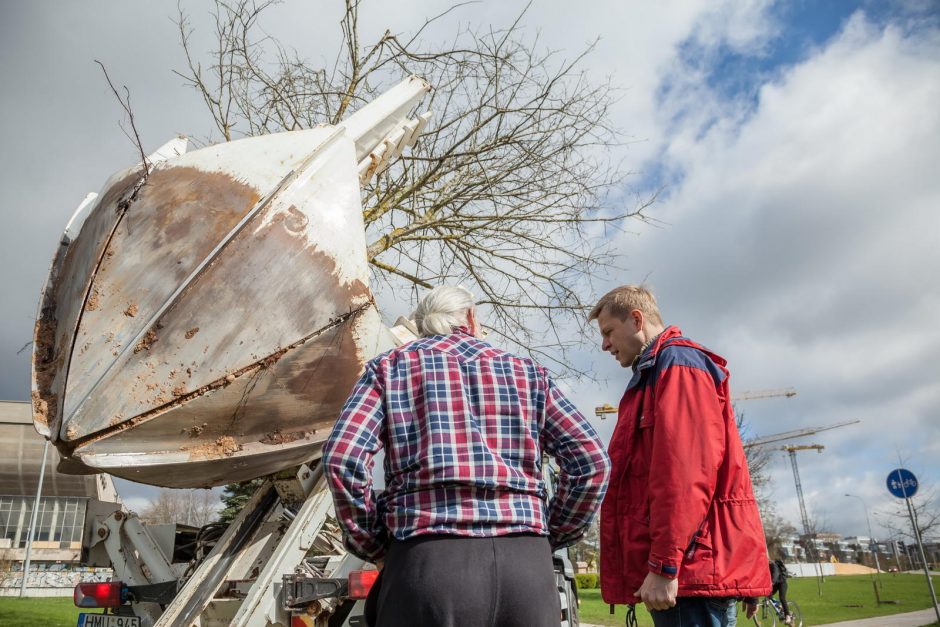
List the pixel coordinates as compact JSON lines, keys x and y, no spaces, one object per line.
{"x":451,"y":581}
{"x":782,"y":589}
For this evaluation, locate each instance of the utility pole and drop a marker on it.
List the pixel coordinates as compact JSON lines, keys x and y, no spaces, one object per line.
{"x":32,"y":520}
{"x":811,"y":535}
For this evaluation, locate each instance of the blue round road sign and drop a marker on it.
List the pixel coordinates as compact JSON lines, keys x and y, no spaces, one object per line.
{"x":902,"y":483}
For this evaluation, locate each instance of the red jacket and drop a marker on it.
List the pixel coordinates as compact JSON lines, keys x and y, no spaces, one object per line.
{"x":680,"y":501}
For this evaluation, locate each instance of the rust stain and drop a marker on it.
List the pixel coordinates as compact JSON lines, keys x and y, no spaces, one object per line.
{"x":295,"y":221}
{"x":149,"y":339}
{"x":63,"y":300}
{"x":185,"y":195}
{"x":170,"y":223}
{"x":277,"y":437}
{"x":325,"y":380}
{"x":317,"y":382}
{"x":40,"y":408}
{"x":46,"y":365}
{"x":94,"y":299}
{"x":223,"y":446}
{"x":346,"y":319}
{"x":196,"y":430}
{"x":179,"y":390}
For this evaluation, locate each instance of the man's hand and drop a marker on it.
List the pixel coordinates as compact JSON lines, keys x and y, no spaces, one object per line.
{"x":750,"y":607}
{"x":658,"y":592}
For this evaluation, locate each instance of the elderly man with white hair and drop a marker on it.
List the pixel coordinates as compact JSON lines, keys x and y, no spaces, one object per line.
{"x":465,"y":527}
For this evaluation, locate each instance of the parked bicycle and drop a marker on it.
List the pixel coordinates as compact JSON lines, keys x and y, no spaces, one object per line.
{"x":770,"y":613}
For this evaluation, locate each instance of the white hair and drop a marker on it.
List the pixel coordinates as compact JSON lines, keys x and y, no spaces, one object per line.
{"x":443,"y":310}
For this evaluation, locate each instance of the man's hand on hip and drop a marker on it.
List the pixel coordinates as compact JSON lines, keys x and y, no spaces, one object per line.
{"x":658,"y":592}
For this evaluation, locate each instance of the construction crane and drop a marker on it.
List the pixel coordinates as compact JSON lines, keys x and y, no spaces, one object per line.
{"x":797,"y":433}
{"x":791,"y":450}
{"x":602,"y":411}
{"x":605,"y":409}
{"x":810,"y":535}
{"x":752,"y":395}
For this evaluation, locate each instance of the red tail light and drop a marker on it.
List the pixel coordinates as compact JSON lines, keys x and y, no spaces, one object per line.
{"x":98,"y":594}
{"x":360,"y":582}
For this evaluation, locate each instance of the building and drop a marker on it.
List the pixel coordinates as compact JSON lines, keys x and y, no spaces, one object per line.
{"x":61,"y":514}
{"x":792,"y":550}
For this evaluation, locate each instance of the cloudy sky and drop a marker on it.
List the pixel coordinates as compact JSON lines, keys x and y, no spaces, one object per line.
{"x":794,"y":142}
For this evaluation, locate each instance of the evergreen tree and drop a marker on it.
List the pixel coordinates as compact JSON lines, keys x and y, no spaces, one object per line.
{"x":235,"y":496}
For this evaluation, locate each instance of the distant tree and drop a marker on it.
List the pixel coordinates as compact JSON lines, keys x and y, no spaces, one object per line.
{"x":777,"y":530}
{"x":188,"y":507}
{"x":235,"y":496}
{"x":758,"y":460}
{"x":896,"y":519}
{"x":587,"y":548}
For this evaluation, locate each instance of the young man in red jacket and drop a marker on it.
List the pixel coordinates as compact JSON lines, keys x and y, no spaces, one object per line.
{"x":680,"y":529}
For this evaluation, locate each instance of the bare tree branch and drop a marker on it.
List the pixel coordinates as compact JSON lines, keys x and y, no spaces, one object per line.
{"x":190,"y":507}
{"x":506,"y":192}
{"x":126,"y":105}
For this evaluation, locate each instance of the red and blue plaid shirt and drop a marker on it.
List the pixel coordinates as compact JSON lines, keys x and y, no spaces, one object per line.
{"x":464,"y":426}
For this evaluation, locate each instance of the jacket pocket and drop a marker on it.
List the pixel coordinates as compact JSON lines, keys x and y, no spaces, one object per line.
{"x":698,"y":562}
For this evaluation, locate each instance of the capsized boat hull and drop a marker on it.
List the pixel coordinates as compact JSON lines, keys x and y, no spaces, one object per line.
{"x":210,"y":316}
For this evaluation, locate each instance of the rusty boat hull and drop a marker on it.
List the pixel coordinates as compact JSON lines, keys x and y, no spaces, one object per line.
{"x":205,"y":318}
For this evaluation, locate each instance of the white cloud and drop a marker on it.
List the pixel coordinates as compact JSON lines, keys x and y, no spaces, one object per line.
{"x":800,"y":243}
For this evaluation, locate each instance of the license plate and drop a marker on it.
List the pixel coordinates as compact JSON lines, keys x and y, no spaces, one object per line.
{"x":107,"y":620}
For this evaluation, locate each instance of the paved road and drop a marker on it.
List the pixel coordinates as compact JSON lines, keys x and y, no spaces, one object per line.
{"x":908,"y":619}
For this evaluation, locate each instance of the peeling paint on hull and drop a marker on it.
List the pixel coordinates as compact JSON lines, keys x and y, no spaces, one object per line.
{"x":205,"y":327}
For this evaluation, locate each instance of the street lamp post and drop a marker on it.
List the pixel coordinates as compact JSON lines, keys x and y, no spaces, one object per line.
{"x":871,"y":538}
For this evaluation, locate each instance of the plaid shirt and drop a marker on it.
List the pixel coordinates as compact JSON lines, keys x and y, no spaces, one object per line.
{"x":464,"y":426}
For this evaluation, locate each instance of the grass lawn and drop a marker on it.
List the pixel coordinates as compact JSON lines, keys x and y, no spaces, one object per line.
{"x":47,"y":612}
{"x":843,"y":598}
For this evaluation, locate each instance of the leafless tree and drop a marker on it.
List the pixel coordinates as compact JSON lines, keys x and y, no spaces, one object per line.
{"x":506,"y":192}
{"x":777,"y":530}
{"x":188,"y":507}
{"x":896,"y":519}
{"x":587,"y":549}
{"x":758,"y":460}
{"x":125,"y":103}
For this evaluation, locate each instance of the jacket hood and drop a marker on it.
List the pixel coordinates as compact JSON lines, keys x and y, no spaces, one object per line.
{"x":672,"y":336}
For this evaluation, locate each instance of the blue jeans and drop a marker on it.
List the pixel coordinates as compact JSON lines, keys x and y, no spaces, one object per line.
{"x":698,"y":612}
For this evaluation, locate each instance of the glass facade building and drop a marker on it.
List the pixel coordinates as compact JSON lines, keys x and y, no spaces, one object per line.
{"x":58,"y":524}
